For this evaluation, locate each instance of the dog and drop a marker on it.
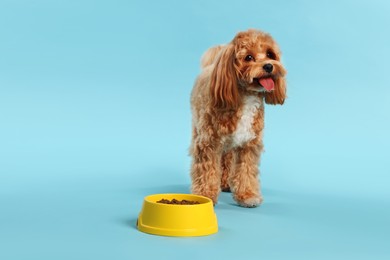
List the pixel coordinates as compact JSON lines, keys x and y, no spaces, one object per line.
{"x":227,"y":103}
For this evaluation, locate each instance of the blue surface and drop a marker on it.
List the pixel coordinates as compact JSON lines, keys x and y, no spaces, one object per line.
{"x":94,"y":115}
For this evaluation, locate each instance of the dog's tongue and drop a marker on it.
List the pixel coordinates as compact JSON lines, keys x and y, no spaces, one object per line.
{"x":267,"y":83}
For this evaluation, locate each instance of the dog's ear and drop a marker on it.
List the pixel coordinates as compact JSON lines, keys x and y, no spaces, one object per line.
{"x":278,"y":95}
{"x":223,"y":83}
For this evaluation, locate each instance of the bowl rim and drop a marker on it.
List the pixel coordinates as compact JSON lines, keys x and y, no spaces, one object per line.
{"x":204,"y":200}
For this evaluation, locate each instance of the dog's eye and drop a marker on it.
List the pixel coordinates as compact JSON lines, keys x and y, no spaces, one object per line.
{"x":249,"y":58}
{"x":271,"y":55}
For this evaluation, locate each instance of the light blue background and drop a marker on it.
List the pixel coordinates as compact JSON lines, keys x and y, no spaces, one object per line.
{"x":94,"y":115}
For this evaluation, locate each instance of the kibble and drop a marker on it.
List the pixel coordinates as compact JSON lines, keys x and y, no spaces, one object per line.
{"x":178,"y":202}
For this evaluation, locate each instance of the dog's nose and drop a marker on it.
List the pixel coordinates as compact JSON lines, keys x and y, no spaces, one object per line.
{"x":268,"y":67}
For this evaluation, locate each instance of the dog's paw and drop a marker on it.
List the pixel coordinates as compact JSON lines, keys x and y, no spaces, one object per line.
{"x":206,"y":193}
{"x":250,"y":202}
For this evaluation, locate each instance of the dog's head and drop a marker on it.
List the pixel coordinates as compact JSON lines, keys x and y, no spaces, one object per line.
{"x":250,"y":62}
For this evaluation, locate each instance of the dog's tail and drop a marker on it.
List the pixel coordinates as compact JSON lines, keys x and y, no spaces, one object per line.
{"x":210,"y":56}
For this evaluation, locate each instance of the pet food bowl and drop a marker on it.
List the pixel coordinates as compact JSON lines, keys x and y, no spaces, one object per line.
{"x":177,"y":220}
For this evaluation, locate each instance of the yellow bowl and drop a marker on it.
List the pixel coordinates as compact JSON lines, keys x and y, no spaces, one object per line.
{"x":177,"y":220}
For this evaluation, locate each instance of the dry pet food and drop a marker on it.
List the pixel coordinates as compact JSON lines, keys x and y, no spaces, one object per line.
{"x":178,"y":202}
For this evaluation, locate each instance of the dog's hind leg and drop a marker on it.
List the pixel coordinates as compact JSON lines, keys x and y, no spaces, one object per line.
{"x":227,"y":166}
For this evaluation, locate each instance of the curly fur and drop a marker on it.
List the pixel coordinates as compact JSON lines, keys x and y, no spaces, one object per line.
{"x":227,"y":104}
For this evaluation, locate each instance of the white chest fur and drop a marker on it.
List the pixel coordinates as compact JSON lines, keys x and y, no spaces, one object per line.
{"x":244,"y":131}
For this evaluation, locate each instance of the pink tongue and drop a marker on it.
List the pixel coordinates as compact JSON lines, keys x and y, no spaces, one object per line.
{"x":267,"y":83}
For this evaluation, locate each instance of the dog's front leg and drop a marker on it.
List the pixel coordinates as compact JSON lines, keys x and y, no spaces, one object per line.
{"x":244,"y":181}
{"x":206,"y":169}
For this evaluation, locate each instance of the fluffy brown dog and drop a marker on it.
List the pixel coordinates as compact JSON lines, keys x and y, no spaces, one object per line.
{"x":227,"y":104}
